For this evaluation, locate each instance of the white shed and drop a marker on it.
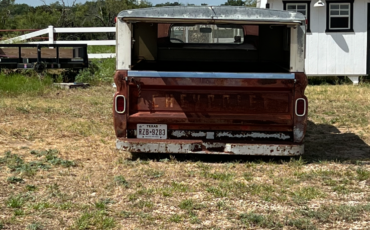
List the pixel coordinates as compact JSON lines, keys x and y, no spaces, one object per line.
{"x":337,"y":38}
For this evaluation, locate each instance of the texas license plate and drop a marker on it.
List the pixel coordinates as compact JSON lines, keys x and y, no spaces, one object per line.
{"x":151,"y":131}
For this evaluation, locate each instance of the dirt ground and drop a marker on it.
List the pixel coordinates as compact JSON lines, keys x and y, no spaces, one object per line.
{"x":59,"y":169}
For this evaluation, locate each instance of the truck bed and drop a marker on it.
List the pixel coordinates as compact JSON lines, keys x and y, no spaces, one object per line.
{"x":232,"y":67}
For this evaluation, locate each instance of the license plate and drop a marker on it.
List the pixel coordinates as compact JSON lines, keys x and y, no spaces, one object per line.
{"x":151,"y":131}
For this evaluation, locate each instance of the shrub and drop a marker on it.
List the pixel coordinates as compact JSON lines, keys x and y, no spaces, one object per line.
{"x":99,"y":71}
{"x":15,"y":84}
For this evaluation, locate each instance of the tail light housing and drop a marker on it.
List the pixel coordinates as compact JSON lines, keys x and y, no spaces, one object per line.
{"x":120,"y":104}
{"x":300,"y":107}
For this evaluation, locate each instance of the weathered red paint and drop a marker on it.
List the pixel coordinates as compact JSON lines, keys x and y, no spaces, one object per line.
{"x":211,"y":104}
{"x":300,"y":123}
{"x":120,"y":120}
{"x":226,"y":104}
{"x":256,"y":104}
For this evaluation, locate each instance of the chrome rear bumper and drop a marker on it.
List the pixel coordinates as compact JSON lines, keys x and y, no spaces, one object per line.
{"x":202,"y":147}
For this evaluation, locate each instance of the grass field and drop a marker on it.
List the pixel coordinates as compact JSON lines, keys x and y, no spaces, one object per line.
{"x":59,"y":170}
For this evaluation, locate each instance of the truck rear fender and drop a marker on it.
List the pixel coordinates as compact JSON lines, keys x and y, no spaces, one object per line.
{"x":300,"y":119}
{"x":120,"y":111}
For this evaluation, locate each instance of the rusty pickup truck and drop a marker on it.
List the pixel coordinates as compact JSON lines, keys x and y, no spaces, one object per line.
{"x":210,"y":80}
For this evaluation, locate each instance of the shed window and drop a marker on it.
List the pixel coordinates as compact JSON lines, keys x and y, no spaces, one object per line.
{"x":339,"y":17}
{"x":302,"y":7}
{"x":297,"y":7}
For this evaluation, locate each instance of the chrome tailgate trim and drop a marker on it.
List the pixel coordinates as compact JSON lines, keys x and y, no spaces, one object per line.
{"x":165,"y":74}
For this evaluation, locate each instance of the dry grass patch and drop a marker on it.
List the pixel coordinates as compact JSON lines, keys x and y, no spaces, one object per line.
{"x":60,"y":169}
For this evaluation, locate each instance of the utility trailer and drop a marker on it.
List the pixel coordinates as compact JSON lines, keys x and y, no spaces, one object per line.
{"x":210,"y":80}
{"x":43,"y":56}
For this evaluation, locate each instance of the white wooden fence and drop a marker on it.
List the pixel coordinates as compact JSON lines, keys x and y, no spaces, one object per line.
{"x":51,"y":31}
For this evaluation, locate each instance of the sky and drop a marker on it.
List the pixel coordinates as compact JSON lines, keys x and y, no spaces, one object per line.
{"x":197,"y":2}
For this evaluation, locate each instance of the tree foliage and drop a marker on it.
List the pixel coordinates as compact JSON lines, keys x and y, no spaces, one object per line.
{"x":248,"y":3}
{"x":169,"y":4}
{"x":59,"y":14}
{"x":93,"y":13}
{"x":5,"y":12}
{"x":234,"y":3}
{"x":5,"y":3}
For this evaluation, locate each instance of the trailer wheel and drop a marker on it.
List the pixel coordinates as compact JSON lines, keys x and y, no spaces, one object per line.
{"x":39,"y":67}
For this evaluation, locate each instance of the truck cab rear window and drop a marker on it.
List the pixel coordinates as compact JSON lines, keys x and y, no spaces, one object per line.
{"x":206,"y":34}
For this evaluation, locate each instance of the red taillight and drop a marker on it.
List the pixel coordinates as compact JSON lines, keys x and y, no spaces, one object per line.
{"x":115,"y":20}
{"x":300,"y":107}
{"x":120,"y":104}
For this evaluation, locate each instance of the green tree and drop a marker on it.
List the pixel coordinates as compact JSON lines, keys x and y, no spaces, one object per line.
{"x":37,"y":18}
{"x":6,"y":3}
{"x":169,"y":4}
{"x":59,"y":14}
{"x":103,"y":12}
{"x":5,"y":12}
{"x":18,"y":9}
{"x":248,"y":3}
{"x":234,"y":3}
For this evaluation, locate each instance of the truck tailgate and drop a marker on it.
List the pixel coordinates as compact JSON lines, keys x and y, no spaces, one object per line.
{"x":211,"y":101}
